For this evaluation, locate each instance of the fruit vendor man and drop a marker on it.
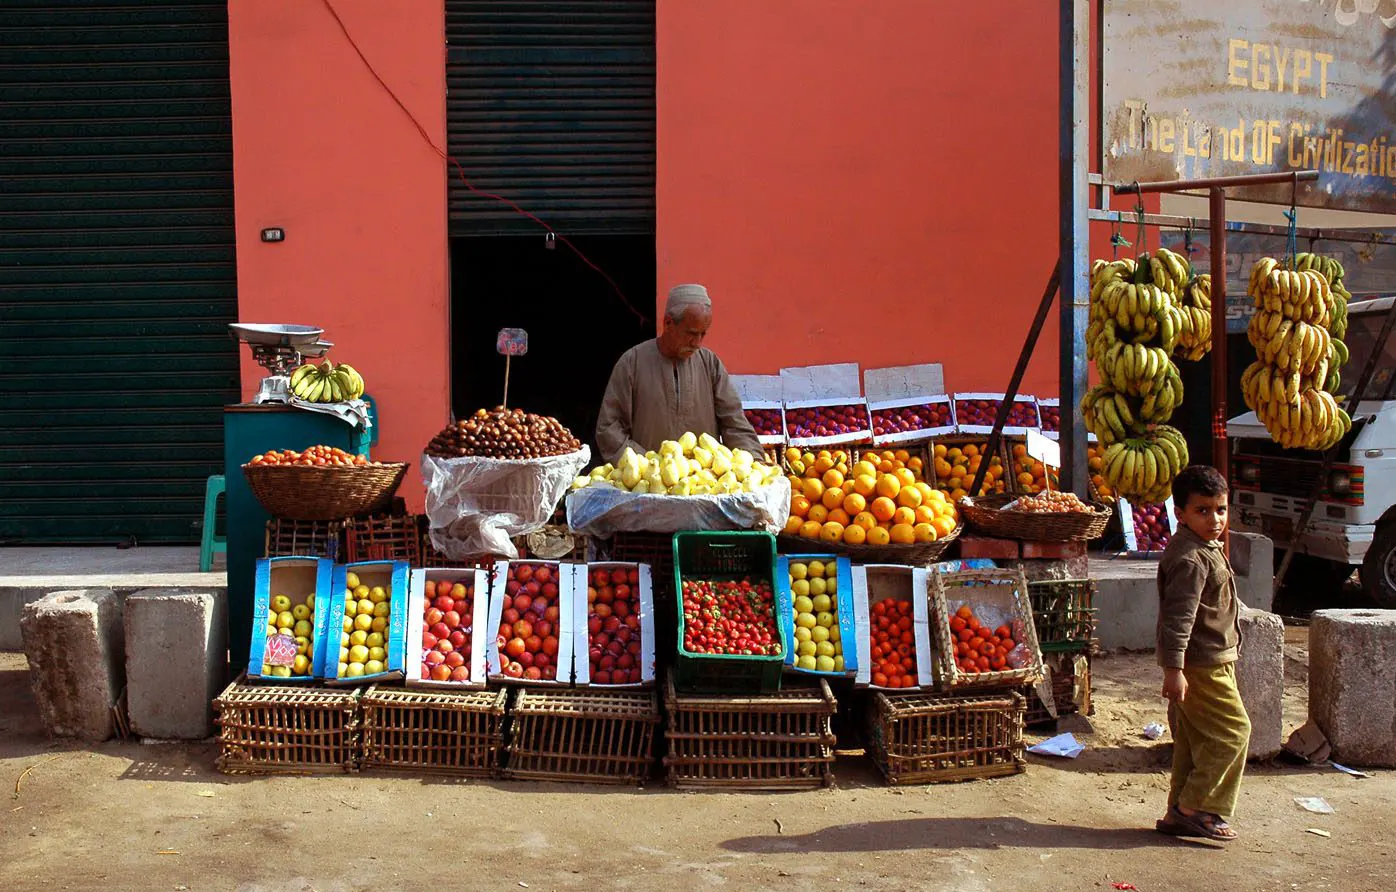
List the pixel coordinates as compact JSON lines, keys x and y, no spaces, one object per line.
{"x":672,"y":384}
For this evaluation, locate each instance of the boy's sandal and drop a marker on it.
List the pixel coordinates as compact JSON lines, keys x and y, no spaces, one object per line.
{"x":1202,"y":824}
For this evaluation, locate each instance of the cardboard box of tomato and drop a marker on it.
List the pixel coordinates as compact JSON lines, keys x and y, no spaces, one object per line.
{"x":290,"y":606}
{"x":534,"y":614}
{"x":451,"y":609}
{"x":370,"y":599}
{"x":816,"y":592}
{"x":892,"y":616}
{"x":615,"y":647}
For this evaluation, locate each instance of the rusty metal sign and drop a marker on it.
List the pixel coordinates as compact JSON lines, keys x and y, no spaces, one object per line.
{"x":1204,"y":88}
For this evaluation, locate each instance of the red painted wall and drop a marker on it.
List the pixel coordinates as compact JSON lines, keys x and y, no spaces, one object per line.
{"x":870,"y":182}
{"x":321,"y":149}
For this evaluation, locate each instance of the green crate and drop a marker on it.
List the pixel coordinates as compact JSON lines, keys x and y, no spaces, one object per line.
{"x":1063,"y":612}
{"x":721,"y":556}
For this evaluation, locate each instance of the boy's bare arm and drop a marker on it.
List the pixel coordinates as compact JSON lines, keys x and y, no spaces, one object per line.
{"x":1182,"y":592}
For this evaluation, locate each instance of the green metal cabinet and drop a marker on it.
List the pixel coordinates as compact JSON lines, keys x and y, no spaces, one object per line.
{"x":247,"y":431}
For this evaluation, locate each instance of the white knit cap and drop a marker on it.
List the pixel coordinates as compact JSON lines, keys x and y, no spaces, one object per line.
{"x":681,"y":297}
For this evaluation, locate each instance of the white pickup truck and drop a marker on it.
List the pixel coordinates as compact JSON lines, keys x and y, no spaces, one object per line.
{"x":1354,"y":524}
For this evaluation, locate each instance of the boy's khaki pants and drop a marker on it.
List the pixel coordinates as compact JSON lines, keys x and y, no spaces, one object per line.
{"x":1211,"y":733}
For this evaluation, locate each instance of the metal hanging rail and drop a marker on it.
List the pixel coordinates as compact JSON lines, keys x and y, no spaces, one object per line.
{"x":1308,"y":233}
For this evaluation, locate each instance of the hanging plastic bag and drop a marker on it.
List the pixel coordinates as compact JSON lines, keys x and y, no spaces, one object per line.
{"x":477,"y":505}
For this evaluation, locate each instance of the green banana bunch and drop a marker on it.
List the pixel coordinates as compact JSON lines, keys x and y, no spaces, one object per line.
{"x":1143,"y":467}
{"x":327,"y":382}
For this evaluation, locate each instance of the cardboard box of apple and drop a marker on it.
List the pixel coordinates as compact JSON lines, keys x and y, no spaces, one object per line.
{"x":826,"y":421}
{"x":766,"y":421}
{"x":531,"y":610}
{"x":904,"y":419}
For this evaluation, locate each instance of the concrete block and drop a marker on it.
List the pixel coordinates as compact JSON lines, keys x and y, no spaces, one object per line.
{"x":1053,"y":551}
{"x":1126,"y":601}
{"x":176,"y":657}
{"x":1352,"y":684}
{"x":1253,"y":560}
{"x":1260,"y":675}
{"x":73,"y":641}
{"x":985,"y":547}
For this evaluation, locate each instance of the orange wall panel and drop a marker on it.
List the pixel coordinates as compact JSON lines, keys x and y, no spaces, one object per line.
{"x":320,"y":149}
{"x":870,"y":182}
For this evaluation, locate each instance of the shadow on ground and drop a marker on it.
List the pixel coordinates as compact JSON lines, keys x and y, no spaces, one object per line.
{"x":918,"y":834}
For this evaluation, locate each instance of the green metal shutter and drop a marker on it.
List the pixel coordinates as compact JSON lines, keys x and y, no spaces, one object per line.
{"x":117,"y":272}
{"x":550,"y":103}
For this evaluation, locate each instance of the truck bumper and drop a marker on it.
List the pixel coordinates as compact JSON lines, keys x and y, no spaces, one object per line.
{"x":1345,"y":543}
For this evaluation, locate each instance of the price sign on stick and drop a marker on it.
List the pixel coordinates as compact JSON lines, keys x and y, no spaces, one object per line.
{"x":511,"y":342}
{"x":1049,"y":452}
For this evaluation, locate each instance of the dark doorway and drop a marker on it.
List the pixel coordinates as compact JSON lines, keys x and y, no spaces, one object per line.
{"x":577,"y":325}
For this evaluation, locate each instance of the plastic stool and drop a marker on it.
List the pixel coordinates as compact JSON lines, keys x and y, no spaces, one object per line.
{"x":211,"y":542}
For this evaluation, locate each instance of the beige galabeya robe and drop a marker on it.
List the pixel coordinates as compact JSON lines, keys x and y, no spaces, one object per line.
{"x":651,"y":398}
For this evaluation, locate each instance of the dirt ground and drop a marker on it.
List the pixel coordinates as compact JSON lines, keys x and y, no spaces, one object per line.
{"x":157,"y":817}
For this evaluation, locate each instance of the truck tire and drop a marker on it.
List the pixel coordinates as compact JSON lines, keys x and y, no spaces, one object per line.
{"x":1379,"y":567}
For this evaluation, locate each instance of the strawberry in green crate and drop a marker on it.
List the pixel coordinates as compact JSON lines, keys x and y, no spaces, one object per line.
{"x":734,"y":617}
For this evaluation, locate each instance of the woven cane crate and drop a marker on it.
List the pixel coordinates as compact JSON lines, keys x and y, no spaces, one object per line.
{"x":305,"y":538}
{"x":435,"y":732}
{"x":583,"y":736}
{"x":1063,"y":613}
{"x":780,"y":741}
{"x":384,"y":537}
{"x":280,"y":729}
{"x":1066,"y":679}
{"x":928,"y":739}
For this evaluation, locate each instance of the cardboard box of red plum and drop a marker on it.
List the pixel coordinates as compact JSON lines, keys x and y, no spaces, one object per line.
{"x":915,"y":418}
{"x":825,"y":422}
{"x":616,"y":620}
{"x":975,"y":413}
{"x":768,"y":418}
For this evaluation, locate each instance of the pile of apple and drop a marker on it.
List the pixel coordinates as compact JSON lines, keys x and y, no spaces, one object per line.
{"x":1151,"y":531}
{"x":892,"y":644}
{"x":613,"y":625}
{"x":955,"y":467}
{"x":734,"y":617}
{"x":978,"y":648}
{"x":363,"y":643}
{"x":826,"y":421}
{"x":978,"y":412}
{"x":877,"y":500}
{"x":529,"y":625}
{"x":765,"y":421}
{"x":447,"y":624}
{"x":1023,"y":414}
{"x":296,"y":622}
{"x":910,"y":418}
{"x":814,"y":592}
{"x":1051,"y":417}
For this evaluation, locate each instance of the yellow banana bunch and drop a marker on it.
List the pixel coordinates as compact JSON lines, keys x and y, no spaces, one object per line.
{"x":1195,"y":304}
{"x":1332,"y":270}
{"x":326,"y":382}
{"x":1143,"y":467}
{"x":1290,"y":385}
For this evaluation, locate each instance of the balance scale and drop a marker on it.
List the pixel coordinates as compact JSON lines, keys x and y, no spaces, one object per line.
{"x":279,"y":349}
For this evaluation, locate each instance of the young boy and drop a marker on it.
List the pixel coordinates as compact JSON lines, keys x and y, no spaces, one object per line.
{"x":1198,"y":639}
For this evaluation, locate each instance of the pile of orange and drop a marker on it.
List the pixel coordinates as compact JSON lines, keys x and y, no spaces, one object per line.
{"x":1096,"y":462}
{"x":834,"y":501}
{"x":1031,"y":474}
{"x":955,"y":467}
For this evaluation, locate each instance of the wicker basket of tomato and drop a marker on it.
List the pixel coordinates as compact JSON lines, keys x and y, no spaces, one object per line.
{"x":984,"y":630}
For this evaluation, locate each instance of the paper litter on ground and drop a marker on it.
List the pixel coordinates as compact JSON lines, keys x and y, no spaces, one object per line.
{"x":1316,"y":804}
{"x":1063,"y":745}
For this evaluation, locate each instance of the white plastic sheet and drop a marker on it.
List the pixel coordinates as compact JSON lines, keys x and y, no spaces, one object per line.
{"x":476,"y":505}
{"x":604,"y":510}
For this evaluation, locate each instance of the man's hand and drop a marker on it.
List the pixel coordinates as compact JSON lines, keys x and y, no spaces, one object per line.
{"x":1175,"y":686}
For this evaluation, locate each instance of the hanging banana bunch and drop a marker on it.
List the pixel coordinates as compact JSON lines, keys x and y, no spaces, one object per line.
{"x":1195,"y":302}
{"x":1290,"y":385}
{"x":1137,"y":322}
